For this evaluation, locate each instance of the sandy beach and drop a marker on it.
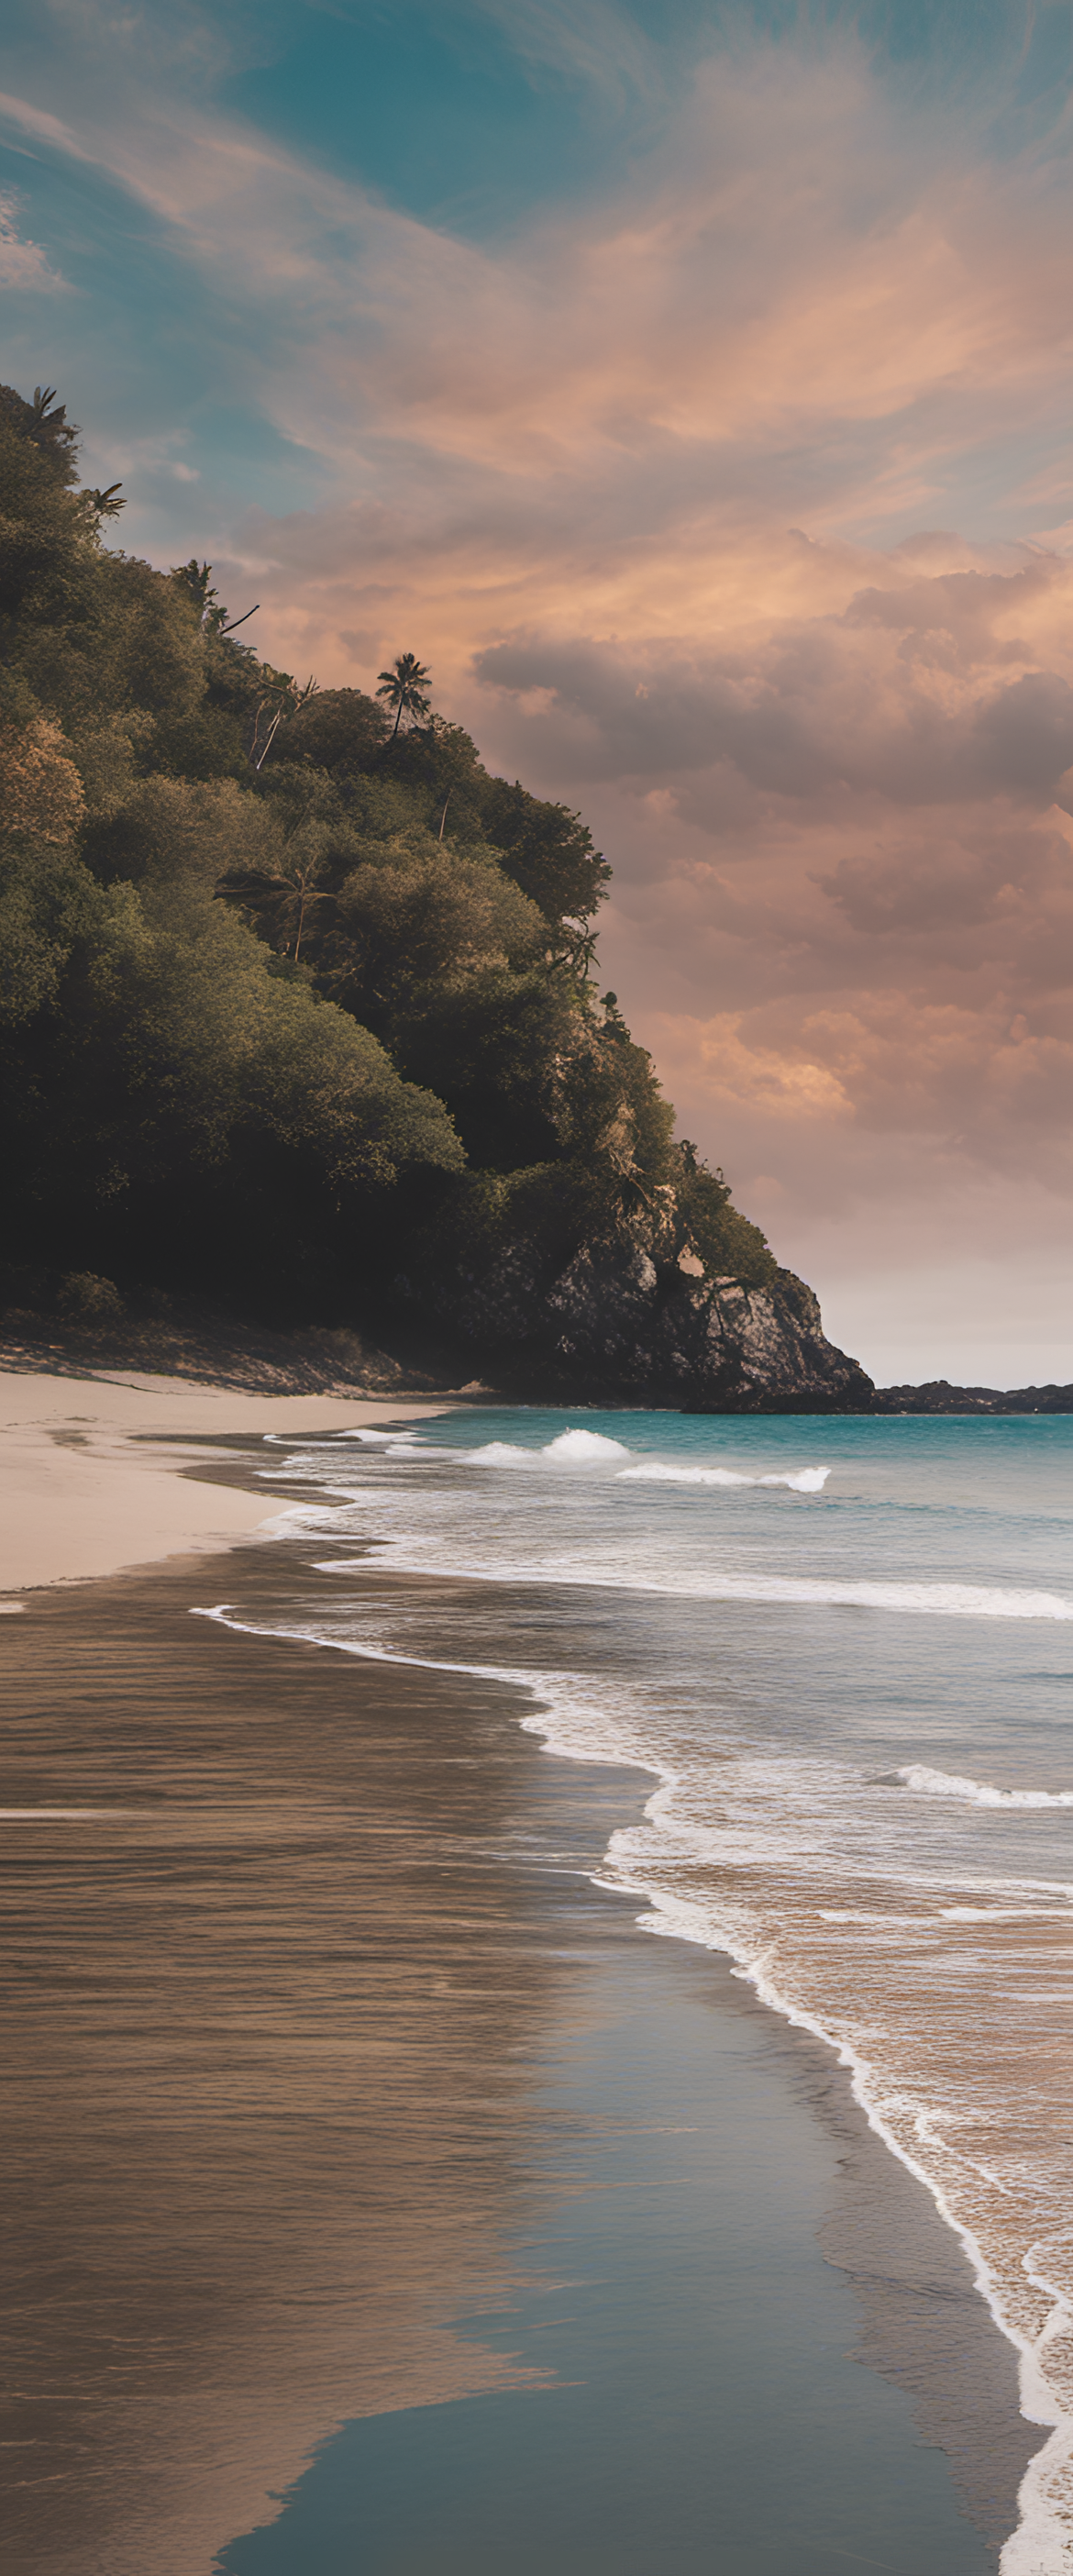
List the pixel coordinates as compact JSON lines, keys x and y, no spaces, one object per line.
{"x":99,"y":1472}
{"x":334,"y":2068}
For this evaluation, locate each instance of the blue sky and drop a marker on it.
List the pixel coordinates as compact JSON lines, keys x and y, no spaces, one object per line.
{"x":476,"y":120}
{"x":692,"y":387}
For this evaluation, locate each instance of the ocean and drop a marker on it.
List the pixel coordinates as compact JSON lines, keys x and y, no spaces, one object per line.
{"x":842,"y":1650}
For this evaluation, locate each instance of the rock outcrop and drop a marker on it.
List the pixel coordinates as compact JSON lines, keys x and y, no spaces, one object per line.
{"x":938,"y":1396}
{"x":614,"y":1327}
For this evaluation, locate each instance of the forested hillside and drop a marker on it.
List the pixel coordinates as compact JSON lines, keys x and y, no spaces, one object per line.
{"x":298,"y":1000}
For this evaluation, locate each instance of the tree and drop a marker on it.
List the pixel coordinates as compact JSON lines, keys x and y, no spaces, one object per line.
{"x":281,"y":698}
{"x":194,"y":577}
{"x":547,"y":850}
{"x":275,"y":963}
{"x":338,"y":730}
{"x":404,"y":687}
{"x":44,"y":424}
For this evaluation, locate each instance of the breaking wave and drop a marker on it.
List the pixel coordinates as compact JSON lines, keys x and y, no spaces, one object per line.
{"x":927,"y":1944}
{"x":571,"y":1449}
{"x":807,"y":1480}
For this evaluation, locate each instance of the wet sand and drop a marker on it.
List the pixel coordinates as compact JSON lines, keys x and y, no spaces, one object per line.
{"x":287,"y":2014}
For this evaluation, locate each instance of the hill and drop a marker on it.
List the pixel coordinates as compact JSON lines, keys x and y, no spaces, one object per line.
{"x":300,"y":1012}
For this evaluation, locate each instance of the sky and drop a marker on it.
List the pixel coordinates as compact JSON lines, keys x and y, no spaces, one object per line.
{"x":689,"y":386}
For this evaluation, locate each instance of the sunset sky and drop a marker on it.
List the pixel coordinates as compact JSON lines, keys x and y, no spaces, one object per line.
{"x":690,"y":388}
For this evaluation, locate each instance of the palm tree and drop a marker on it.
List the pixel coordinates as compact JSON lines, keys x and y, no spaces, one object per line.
{"x":404,"y":689}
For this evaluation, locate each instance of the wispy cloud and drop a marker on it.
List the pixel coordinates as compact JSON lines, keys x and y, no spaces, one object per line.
{"x":23,"y":264}
{"x":600,"y":45}
{"x":42,"y":125}
{"x":732,"y":501}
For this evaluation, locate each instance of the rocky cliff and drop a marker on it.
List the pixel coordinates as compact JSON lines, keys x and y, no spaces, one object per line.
{"x":613,"y":1326}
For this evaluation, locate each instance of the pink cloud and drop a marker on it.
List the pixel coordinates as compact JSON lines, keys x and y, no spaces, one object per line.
{"x":721,"y":506}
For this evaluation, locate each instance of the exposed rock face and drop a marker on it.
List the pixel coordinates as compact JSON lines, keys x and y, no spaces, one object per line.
{"x":612,"y":1326}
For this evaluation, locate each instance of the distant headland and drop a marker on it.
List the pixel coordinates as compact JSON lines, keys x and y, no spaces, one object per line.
{"x":303,"y":1044}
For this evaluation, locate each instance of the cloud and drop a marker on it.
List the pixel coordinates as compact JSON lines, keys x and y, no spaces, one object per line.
{"x":719,"y":501}
{"x":23,"y":263}
{"x":42,"y":125}
{"x":599,"y":46}
{"x":786,"y":264}
{"x":931,"y":693}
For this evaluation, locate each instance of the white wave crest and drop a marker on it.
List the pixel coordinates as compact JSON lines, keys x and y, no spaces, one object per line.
{"x":977,"y":1793}
{"x":370,"y":1439}
{"x":918,"y":1600}
{"x":575,"y":1721}
{"x":594,"y":1449}
{"x":571,"y":1449}
{"x":808,"y":1480}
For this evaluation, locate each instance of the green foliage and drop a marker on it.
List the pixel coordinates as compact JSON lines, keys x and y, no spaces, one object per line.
{"x":43,"y":424}
{"x":179,"y":1099}
{"x":85,"y":1298}
{"x":547,"y":850}
{"x":46,"y":899}
{"x":727,"y":1243}
{"x":404,"y":689}
{"x":295,"y":997}
{"x":339,"y":730}
{"x":438,"y":952}
{"x":48,"y":540}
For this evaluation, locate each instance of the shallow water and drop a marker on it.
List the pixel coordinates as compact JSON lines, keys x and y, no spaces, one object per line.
{"x":845,"y":1650}
{"x":703,"y":2412}
{"x":328,"y":2072}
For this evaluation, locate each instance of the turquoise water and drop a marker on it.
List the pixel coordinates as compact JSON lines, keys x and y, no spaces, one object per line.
{"x":844,"y":1651}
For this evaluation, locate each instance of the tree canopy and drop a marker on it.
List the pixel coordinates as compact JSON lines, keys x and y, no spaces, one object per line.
{"x":291,"y":987}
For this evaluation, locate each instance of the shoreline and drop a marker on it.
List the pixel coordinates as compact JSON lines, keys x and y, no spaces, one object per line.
{"x":675,"y":1920}
{"x":100,"y":1470}
{"x":109,"y":1433}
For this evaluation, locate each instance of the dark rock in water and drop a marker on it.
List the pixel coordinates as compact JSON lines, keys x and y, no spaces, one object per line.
{"x":613,"y":1326}
{"x":938,"y":1396}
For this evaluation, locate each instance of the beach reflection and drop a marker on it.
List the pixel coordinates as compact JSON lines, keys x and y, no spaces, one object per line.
{"x":274,"y":2001}
{"x":299,"y":1940}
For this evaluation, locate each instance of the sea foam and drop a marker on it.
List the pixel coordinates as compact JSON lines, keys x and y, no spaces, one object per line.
{"x":924,"y":1942}
{"x":977,"y":1793}
{"x":571,"y":1449}
{"x":594,"y":1449}
{"x":807,"y":1480}
{"x":916,"y":1600}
